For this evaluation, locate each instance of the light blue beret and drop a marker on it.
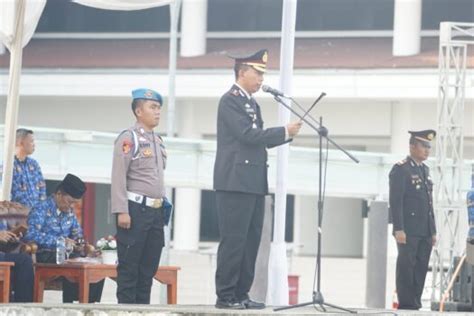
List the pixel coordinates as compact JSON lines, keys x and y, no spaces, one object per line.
{"x":147,"y":94}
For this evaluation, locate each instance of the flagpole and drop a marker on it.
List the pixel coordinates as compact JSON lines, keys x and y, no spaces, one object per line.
{"x":278,"y":268}
{"x":170,"y":126}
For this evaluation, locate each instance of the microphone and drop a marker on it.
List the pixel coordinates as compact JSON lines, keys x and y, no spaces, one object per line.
{"x":275,"y":92}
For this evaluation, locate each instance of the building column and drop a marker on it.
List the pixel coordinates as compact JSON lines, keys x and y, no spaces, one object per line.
{"x":342,"y":226}
{"x":305,"y":225}
{"x":376,"y":276}
{"x":400,"y":124}
{"x":187,"y":217}
{"x":406,"y":27}
{"x":193,"y":28}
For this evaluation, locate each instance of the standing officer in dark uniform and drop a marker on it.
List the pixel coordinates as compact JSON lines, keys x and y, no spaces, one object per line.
{"x":240,"y":181}
{"x":138,"y":197}
{"x":411,"y":209}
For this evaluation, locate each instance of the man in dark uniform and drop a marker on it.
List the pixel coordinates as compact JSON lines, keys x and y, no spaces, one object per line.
{"x":138,"y":199}
{"x":240,"y":181}
{"x":411,"y":209}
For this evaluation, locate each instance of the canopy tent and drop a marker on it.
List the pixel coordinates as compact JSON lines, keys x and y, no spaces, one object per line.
{"x":18,"y":21}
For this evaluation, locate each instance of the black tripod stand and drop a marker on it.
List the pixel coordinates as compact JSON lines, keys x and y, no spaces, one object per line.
{"x":322,"y":131}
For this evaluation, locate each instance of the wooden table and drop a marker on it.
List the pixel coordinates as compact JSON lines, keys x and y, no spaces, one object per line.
{"x":86,"y":273}
{"x":5,"y":272}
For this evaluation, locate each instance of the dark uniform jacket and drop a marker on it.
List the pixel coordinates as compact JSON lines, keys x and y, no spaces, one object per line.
{"x":411,"y":199}
{"x":241,"y":157}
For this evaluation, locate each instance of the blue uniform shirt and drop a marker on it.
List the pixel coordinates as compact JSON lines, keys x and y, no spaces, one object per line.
{"x":45,"y":225}
{"x":28,"y":186}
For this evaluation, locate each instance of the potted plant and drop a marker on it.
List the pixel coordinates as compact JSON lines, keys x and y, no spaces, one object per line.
{"x":108,"y":249}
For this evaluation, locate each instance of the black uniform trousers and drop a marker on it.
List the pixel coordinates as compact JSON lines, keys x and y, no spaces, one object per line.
{"x":412,"y":266}
{"x":139,"y":251}
{"x":71,"y":289}
{"x":22,"y":277}
{"x":240,"y":218}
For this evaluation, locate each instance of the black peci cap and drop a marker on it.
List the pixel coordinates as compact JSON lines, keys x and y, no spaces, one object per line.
{"x":73,"y":186}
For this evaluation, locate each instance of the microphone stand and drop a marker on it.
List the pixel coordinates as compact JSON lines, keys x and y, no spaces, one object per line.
{"x":317,"y":297}
{"x":316,"y":129}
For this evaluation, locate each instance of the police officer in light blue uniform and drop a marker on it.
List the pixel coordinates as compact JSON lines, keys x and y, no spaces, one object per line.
{"x":28,"y":185}
{"x":54,"y":218}
{"x":138,"y":199}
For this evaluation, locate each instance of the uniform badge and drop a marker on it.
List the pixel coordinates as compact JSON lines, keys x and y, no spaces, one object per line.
{"x":148,"y":94}
{"x":126,"y":146}
{"x":147,"y":152}
{"x":247,"y":105}
{"x":235,"y":92}
{"x":254,"y":125}
{"x":142,"y":139}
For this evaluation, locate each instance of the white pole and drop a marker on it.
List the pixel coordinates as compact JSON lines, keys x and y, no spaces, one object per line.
{"x":170,"y":126}
{"x":406,"y":27}
{"x":11,"y":115}
{"x":278,"y":268}
{"x":174,"y":18}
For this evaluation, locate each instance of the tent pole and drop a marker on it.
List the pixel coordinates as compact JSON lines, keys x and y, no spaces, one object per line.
{"x":11,"y":115}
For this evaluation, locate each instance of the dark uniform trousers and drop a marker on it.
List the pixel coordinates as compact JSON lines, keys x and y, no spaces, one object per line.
{"x":22,"y":276}
{"x":139,"y":251}
{"x":70,"y":289}
{"x":240,"y":218}
{"x":412,"y":266}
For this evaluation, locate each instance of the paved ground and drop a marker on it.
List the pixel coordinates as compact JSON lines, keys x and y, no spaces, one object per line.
{"x":182,"y":310}
{"x":342,"y":282}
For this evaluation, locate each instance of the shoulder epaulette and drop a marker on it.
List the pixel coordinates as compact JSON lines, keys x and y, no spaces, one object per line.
{"x":236,"y":92}
{"x":401,"y":162}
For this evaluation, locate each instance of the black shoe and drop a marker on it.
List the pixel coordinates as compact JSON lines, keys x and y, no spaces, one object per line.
{"x":228,"y":304}
{"x":249,"y":304}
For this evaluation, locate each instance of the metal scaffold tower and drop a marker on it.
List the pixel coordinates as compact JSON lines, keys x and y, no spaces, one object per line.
{"x":449,"y":201}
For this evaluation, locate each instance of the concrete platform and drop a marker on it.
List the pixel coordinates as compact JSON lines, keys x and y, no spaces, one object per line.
{"x":194,"y":310}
